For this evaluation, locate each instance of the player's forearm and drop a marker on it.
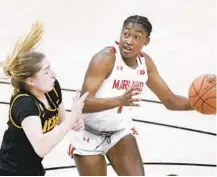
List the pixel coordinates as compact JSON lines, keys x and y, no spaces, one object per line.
{"x":49,"y":140}
{"x":178,"y":103}
{"x":92,"y":104}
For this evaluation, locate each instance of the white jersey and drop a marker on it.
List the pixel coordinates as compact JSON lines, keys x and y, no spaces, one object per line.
{"x":116,"y":84}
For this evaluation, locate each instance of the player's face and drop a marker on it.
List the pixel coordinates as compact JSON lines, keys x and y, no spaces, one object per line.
{"x":44,"y":80}
{"x":132,"y":39}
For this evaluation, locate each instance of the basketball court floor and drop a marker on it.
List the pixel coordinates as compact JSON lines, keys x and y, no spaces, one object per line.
{"x":182,"y":45}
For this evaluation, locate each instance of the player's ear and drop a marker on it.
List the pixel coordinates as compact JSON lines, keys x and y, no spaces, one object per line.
{"x":147,"y":41}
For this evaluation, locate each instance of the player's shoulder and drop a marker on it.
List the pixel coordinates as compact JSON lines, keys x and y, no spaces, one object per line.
{"x":105,"y":56}
{"x":20,"y":94}
{"x":22,"y":97}
{"x":105,"y":52}
{"x":149,"y":62}
{"x":145,"y":56}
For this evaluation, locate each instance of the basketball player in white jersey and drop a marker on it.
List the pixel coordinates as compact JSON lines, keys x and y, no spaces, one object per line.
{"x":114,"y":77}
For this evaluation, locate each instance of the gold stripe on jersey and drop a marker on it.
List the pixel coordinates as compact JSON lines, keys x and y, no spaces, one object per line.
{"x":57,"y":102}
{"x":50,"y":109}
{"x":11,"y":105}
{"x":40,"y":113}
{"x":55,"y":92}
{"x":10,"y":117}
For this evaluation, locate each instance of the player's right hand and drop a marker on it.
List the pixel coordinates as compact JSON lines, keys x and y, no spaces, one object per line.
{"x":127,"y":98}
{"x":77,"y":105}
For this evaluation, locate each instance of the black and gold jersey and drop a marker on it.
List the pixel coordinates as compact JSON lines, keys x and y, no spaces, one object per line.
{"x":17,"y":154}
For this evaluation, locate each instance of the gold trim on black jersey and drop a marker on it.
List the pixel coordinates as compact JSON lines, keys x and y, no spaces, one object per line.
{"x":11,"y":105}
{"x":50,"y":109}
{"x":58,"y":100}
{"x":40,"y":113}
{"x":55,"y":92}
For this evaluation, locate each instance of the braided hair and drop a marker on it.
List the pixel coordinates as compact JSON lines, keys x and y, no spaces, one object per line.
{"x":136,"y":19}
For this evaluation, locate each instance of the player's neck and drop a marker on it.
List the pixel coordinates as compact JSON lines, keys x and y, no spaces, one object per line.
{"x":131,"y":62}
{"x":38,"y":94}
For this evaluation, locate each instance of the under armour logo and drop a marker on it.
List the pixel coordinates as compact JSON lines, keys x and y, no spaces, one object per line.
{"x":86,"y":139}
{"x":120,"y":68}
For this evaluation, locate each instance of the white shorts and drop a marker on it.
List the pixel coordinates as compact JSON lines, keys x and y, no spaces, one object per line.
{"x":85,"y":143}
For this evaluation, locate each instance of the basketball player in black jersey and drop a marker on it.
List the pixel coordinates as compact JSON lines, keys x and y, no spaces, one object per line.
{"x":35,"y":110}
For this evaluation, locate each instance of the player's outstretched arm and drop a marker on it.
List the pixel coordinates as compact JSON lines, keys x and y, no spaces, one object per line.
{"x":170,"y":100}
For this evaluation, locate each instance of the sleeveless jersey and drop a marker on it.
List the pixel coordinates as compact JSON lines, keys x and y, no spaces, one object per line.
{"x":121,"y":77}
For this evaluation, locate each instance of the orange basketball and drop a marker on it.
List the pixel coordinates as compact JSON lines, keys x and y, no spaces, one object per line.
{"x":202,"y":94}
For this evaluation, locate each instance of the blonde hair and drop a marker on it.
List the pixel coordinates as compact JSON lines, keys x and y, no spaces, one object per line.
{"x":24,"y":62}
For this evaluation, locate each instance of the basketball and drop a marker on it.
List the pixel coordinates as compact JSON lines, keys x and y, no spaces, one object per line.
{"x":202,"y":94}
